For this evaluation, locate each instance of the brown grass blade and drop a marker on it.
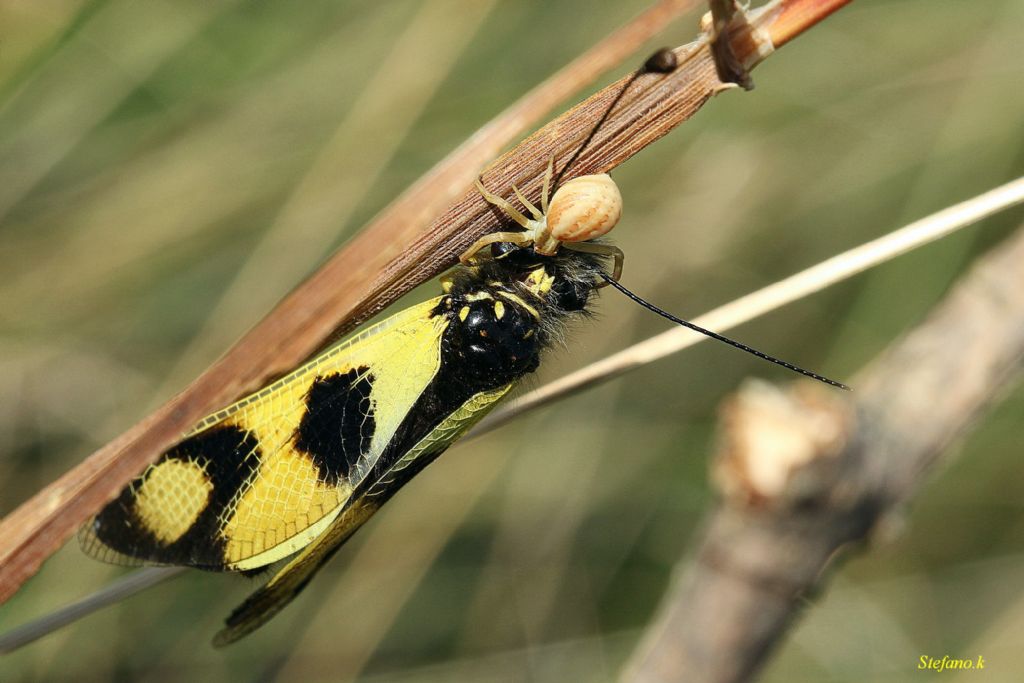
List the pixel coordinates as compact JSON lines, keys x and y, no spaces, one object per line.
{"x":394,"y":253}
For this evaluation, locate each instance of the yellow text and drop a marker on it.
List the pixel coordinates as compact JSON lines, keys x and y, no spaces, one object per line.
{"x":948,"y":663}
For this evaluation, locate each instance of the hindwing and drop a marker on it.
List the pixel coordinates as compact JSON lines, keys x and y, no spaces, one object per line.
{"x":289,"y":581}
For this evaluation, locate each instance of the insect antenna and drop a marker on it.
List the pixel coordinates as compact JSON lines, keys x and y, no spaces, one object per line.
{"x":714,"y":335}
{"x":662,"y":61}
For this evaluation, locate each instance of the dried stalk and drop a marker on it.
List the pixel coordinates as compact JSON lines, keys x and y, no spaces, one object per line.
{"x":776,"y":295}
{"x":393,"y":254}
{"x":117,"y":591}
{"x":806,"y":473}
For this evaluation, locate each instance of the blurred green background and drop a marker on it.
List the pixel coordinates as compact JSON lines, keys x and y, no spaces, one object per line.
{"x":169,"y":170}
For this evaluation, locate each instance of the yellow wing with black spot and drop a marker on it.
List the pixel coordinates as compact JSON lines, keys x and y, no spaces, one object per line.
{"x":297,"y":467}
{"x":257,"y":481}
{"x":282,"y":588}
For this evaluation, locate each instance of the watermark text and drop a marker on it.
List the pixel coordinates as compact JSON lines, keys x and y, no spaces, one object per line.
{"x":947,"y":663}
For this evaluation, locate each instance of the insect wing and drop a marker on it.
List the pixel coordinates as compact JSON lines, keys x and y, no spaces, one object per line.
{"x":262,"y":478}
{"x":282,"y":588}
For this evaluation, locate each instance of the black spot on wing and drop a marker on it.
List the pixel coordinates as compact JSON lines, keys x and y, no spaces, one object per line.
{"x":339,"y":423}
{"x":230,"y":457}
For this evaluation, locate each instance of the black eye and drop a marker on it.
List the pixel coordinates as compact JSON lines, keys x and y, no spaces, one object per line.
{"x":519,"y":258}
{"x":570,"y":295}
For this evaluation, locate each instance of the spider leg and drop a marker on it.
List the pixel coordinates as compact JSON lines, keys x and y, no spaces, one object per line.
{"x":507,"y":208}
{"x":470,"y":256}
{"x":537,"y":215}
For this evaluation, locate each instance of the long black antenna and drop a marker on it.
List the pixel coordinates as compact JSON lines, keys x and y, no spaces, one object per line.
{"x":663,"y":61}
{"x":714,"y":335}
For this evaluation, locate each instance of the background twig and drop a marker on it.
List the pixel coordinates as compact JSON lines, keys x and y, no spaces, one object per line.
{"x":805,"y":474}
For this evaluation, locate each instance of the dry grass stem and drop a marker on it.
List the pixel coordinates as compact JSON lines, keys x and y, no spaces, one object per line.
{"x":775,"y":295}
{"x":118,"y":590}
{"x":394,"y":254}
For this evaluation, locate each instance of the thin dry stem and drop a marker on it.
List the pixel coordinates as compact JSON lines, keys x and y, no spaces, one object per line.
{"x":121,"y":589}
{"x":793,"y":288}
{"x":792,"y":17}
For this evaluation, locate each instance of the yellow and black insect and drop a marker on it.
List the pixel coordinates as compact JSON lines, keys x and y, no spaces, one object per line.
{"x":297,"y":467}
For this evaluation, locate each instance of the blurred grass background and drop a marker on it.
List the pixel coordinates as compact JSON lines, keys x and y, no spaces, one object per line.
{"x":169,"y":170}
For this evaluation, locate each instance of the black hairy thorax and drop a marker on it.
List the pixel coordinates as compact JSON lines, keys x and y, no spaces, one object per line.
{"x":548,"y":291}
